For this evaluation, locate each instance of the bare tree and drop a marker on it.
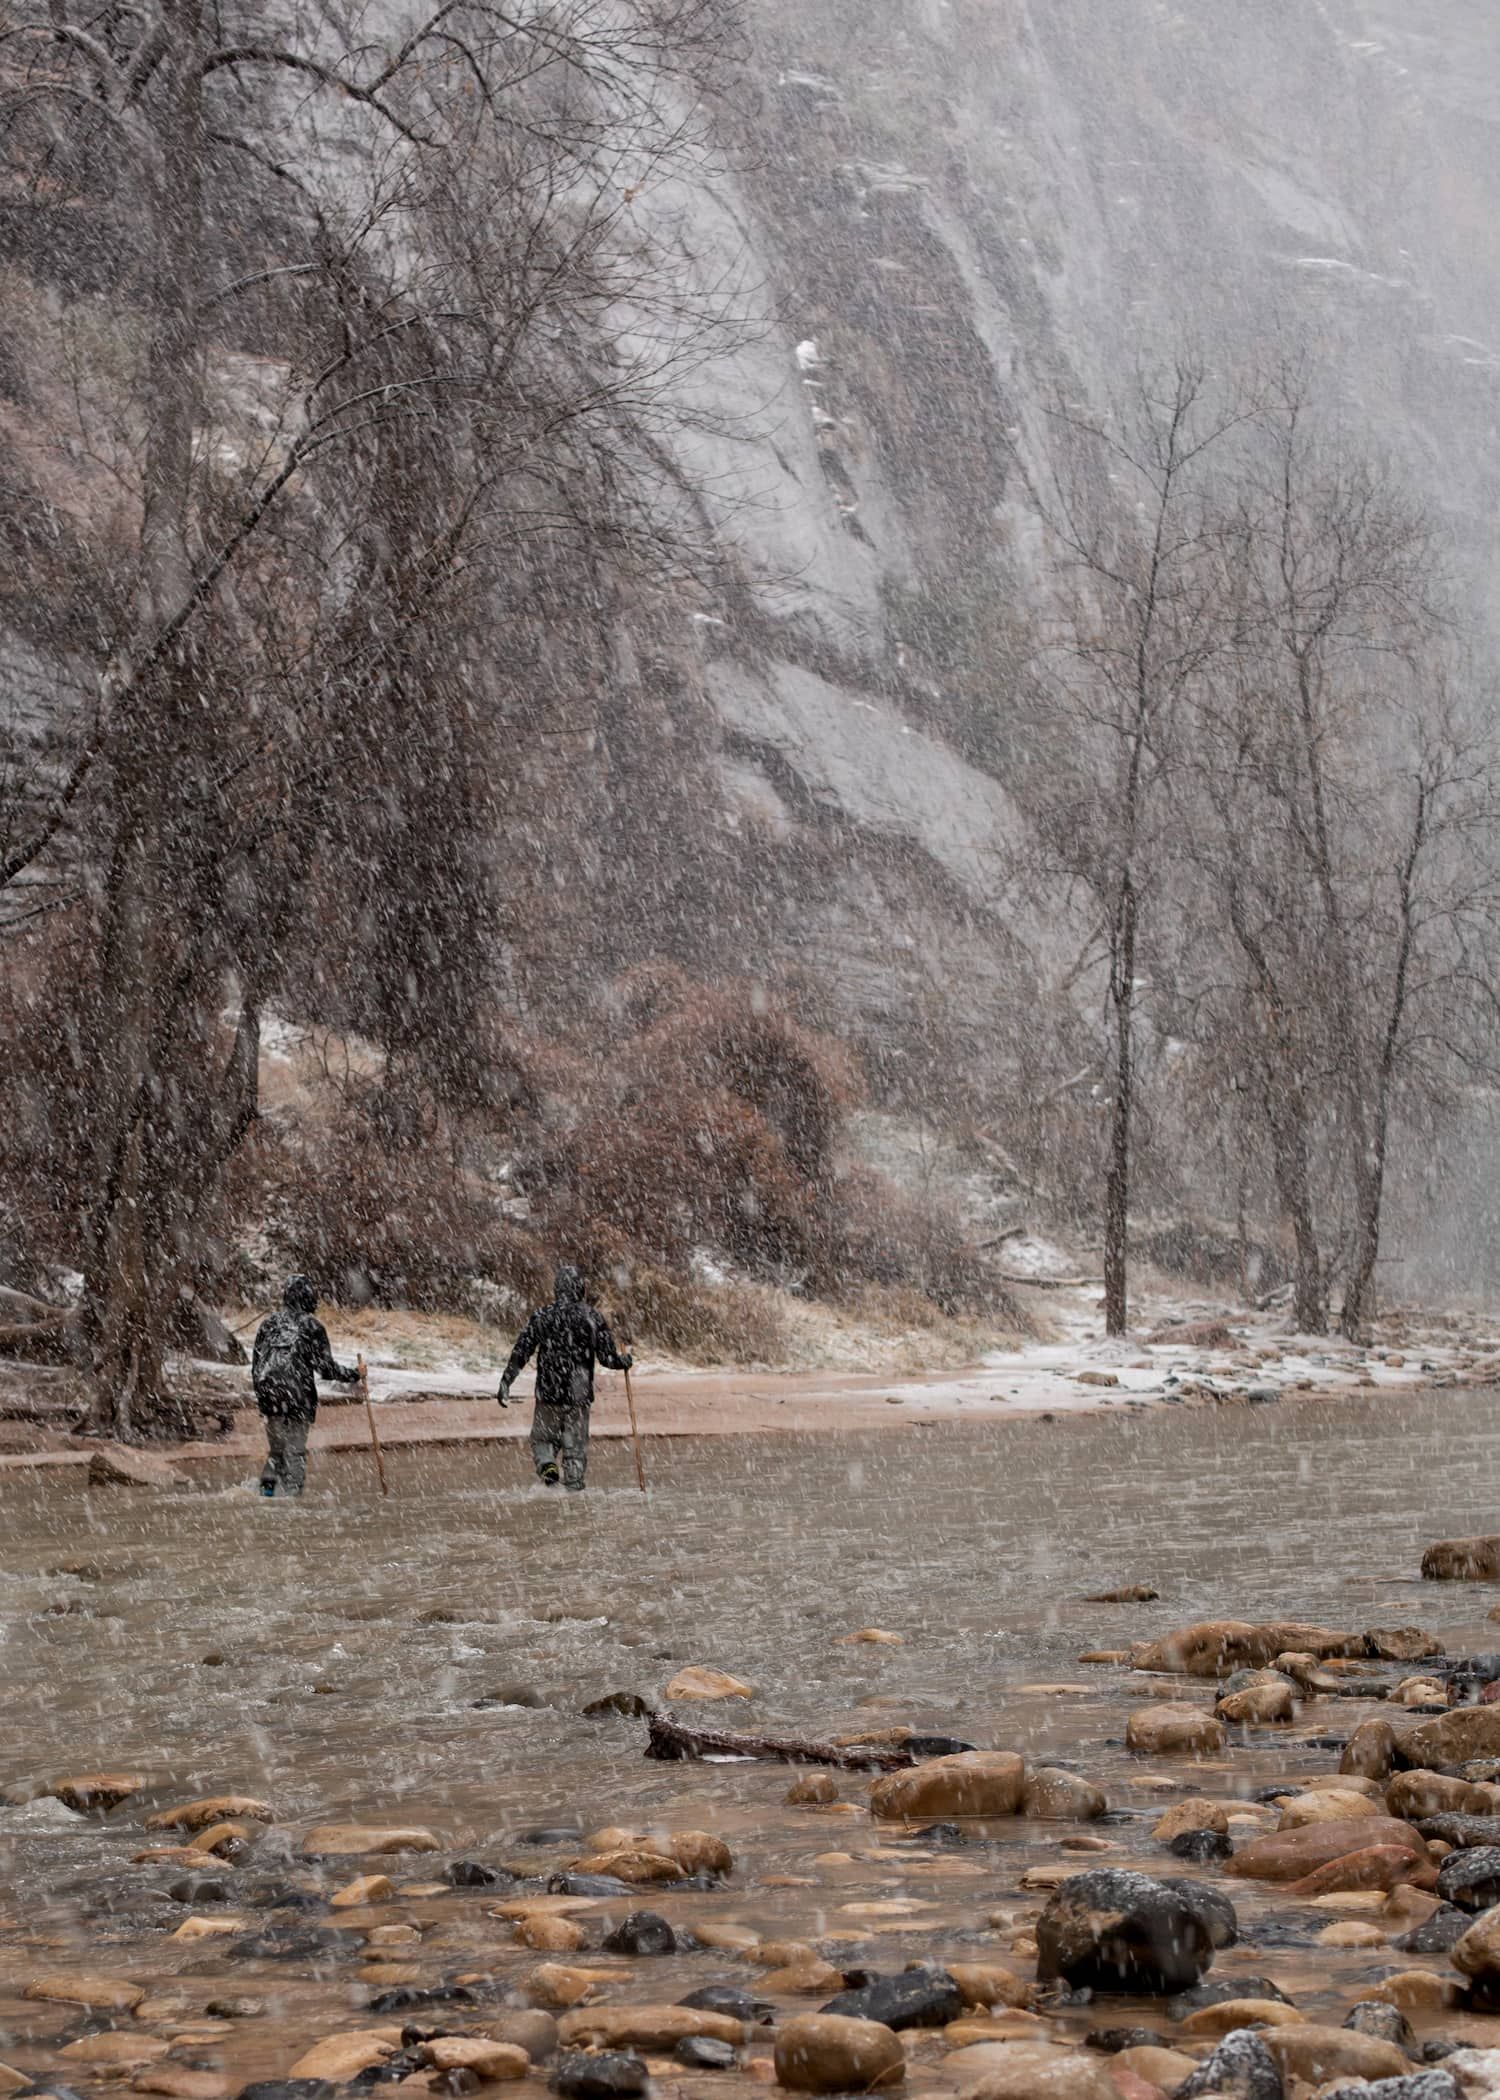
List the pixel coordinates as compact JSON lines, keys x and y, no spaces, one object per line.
{"x":390,"y":327}
{"x":1338,"y":813}
{"x":1136,"y":570}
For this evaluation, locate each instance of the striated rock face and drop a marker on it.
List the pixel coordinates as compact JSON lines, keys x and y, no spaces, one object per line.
{"x":951,"y":214}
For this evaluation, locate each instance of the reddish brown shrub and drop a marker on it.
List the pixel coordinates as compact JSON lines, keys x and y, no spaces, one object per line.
{"x":403,"y":1227}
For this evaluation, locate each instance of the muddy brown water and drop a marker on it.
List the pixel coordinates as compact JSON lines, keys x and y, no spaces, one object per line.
{"x":329,"y":1657}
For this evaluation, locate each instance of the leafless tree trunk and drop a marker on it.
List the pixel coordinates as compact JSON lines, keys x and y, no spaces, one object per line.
{"x":1134,"y":561}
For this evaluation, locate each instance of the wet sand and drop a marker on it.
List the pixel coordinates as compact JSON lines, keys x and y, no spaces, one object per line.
{"x":331,"y":1659}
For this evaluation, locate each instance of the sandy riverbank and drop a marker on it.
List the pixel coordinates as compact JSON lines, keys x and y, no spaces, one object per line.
{"x":433,"y":1382}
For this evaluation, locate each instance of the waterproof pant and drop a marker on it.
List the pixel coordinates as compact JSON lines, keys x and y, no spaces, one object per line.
{"x":560,"y":1436}
{"x":285,"y":1469}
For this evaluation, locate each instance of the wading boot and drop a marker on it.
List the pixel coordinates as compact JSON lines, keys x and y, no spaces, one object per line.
{"x":549,"y":1476}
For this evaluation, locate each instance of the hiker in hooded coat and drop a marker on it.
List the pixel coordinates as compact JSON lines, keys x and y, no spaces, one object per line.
{"x":291,"y":1353}
{"x":567,"y":1338}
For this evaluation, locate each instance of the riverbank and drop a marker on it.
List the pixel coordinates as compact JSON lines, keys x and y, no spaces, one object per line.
{"x":433,"y":1381}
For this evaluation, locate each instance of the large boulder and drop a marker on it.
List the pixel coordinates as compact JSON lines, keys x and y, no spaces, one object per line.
{"x":1286,"y":1855}
{"x":1462,"y":1560}
{"x":973,"y":1783}
{"x":1112,"y":1930}
{"x":824,"y":2053}
{"x":1452,"y":1738}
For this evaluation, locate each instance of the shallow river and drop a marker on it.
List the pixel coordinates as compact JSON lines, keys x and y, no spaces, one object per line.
{"x":328,"y":1657}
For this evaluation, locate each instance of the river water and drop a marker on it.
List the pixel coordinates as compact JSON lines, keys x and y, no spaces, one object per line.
{"x":331,"y":1657}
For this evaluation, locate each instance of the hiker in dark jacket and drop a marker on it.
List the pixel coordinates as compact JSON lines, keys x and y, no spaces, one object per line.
{"x":567,"y":1337}
{"x":291,"y":1353}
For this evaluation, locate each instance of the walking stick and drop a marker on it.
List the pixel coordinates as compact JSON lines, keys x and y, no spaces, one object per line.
{"x":374,"y":1433}
{"x":640,"y":1463}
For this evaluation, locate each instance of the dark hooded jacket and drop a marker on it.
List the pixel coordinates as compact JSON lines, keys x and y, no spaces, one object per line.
{"x":567,"y":1339}
{"x":291,"y":1353}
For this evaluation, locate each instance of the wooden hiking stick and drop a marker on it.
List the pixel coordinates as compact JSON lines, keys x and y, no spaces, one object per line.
{"x":364,"y":1380}
{"x":640,"y":1463}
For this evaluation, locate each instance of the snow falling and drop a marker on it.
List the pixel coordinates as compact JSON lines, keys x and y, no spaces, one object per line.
{"x":750,"y":917}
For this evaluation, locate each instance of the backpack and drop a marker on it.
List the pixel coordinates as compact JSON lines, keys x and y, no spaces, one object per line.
{"x":278,"y":1358}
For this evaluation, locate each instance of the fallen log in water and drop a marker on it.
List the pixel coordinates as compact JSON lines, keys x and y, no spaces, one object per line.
{"x":673,"y":1739}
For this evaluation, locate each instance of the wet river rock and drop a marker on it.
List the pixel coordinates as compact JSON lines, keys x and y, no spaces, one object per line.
{"x":609,"y":2075}
{"x":1288,"y":1855}
{"x":1240,"y":2068}
{"x":645,"y":2026}
{"x":1174,"y":1729}
{"x":700,"y":2053}
{"x":1315,"y":2054}
{"x":1438,"y":1933}
{"x":1370,"y":1752}
{"x":916,"y":1998}
{"x":1224,"y":1992}
{"x":1037,"y":2074}
{"x":474,"y":1874}
{"x":1412,"y":2085}
{"x":1461,"y":1831}
{"x":1217,"y":1647}
{"x":1452,"y":1738}
{"x":1200,"y":1846}
{"x":1420,"y":1794}
{"x":728,"y":1998}
{"x":828,"y":2053}
{"x":1113,"y":1930}
{"x":1386,"y":2022}
{"x":972,"y":1783}
{"x":1462,"y":1560}
{"x":644,"y":1932}
{"x":1052,"y":1795}
{"x":286,"y":2089}
{"x":1471,"y":1878}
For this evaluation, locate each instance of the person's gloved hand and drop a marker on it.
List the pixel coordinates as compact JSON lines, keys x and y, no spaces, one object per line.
{"x":627,"y":1363}
{"x":503,"y":1396}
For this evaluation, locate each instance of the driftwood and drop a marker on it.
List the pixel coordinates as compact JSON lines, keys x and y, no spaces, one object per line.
{"x":672,"y":1739}
{"x":1052,"y":1283}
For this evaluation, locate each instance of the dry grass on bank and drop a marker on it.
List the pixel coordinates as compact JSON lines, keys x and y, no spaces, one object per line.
{"x":739,"y":1325}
